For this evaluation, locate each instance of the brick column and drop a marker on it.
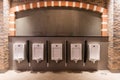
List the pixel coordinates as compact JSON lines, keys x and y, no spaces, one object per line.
{"x":4,"y":36}
{"x":114,"y":36}
{"x":1,"y":31}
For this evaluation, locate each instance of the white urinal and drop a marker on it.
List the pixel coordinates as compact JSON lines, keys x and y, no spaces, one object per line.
{"x":38,"y":52}
{"x":94,"y":51}
{"x":56,"y":52}
{"x":76,"y":52}
{"x":19,"y":52}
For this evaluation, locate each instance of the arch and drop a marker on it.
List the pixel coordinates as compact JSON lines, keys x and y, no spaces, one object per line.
{"x":73,"y":4}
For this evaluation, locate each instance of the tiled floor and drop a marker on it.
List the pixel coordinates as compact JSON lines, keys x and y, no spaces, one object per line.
{"x":98,"y":75}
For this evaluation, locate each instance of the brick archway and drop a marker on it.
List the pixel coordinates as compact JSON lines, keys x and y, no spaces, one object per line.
{"x":41,"y":4}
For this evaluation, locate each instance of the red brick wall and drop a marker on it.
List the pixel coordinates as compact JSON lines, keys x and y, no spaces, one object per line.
{"x":1,"y":30}
{"x":3,"y":40}
{"x":104,"y":30}
{"x":4,"y":28}
{"x":114,"y":37}
{"x":102,"y":3}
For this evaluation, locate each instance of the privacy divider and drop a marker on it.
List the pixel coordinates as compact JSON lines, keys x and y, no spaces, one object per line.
{"x":66,"y":51}
{"x":28,"y":52}
{"x":47,"y":52}
{"x":85,"y":55}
